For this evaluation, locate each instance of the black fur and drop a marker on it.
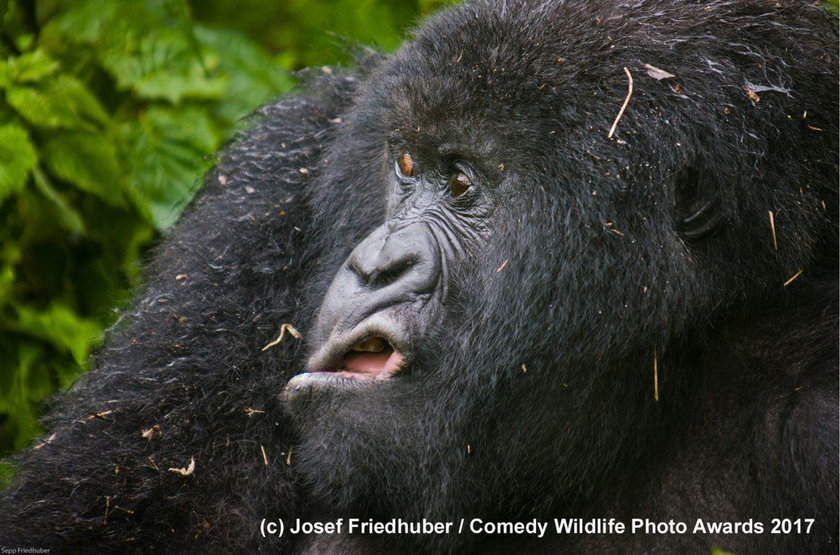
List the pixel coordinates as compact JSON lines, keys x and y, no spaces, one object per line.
{"x":544,"y":368}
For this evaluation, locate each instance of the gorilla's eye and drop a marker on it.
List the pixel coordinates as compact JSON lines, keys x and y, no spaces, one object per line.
{"x":459,"y":183}
{"x":405,"y":165}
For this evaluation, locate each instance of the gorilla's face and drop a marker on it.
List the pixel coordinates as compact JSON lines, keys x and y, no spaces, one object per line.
{"x":394,"y":285}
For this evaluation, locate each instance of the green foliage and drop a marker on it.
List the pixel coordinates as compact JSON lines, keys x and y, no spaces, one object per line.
{"x":17,"y":158}
{"x":110,"y":111}
{"x":313,"y":32}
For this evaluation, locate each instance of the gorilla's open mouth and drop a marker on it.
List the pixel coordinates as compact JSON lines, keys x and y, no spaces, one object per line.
{"x":371,"y":358}
{"x":365,"y":357}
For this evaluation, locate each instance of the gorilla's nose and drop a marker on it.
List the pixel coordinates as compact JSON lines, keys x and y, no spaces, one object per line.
{"x":400,"y":260}
{"x":385,"y":257}
{"x":390,"y":267}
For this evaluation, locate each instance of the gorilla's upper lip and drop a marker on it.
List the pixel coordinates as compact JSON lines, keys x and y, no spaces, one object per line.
{"x":339,"y":360}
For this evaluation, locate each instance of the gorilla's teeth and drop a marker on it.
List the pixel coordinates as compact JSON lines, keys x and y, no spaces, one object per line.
{"x":373,"y":345}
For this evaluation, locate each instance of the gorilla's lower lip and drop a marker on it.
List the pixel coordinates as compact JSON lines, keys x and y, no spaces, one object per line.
{"x":320,"y":381}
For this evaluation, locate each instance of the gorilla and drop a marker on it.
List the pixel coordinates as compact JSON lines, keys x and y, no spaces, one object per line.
{"x":570,"y":260}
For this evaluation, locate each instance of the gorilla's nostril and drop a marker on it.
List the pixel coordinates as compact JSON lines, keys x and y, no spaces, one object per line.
{"x":391,"y":273}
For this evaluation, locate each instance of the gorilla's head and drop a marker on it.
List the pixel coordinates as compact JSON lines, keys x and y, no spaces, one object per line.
{"x":519,"y":268}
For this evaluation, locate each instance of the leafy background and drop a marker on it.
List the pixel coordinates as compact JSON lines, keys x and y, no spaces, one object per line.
{"x":110,"y":111}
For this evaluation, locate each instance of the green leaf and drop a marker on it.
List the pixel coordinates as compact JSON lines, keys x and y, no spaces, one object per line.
{"x":63,"y":102}
{"x":169,"y":153}
{"x":7,"y":278}
{"x":32,"y":66}
{"x":67,"y":216}
{"x":164,"y":64}
{"x":83,"y":20}
{"x":254,"y":78}
{"x":80,"y":100}
{"x":59,"y":326}
{"x":88,"y":161}
{"x":191,"y":82}
{"x":17,"y":158}
{"x":5,"y":74}
{"x":15,"y":398}
{"x":24,"y":42}
{"x":41,"y":108}
{"x":148,"y":47}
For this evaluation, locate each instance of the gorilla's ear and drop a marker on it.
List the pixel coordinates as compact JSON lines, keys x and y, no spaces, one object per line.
{"x":697,"y":207}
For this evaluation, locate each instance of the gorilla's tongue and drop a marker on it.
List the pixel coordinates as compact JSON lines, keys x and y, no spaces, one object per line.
{"x":377,"y":361}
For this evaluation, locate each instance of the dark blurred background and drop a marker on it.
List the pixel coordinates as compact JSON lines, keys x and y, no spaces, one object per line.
{"x":110,"y":111}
